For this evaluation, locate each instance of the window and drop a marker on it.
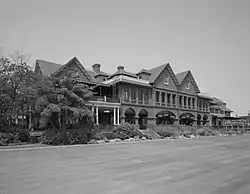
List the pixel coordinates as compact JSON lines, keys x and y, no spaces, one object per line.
{"x":168,"y":98}
{"x":166,"y":81}
{"x":75,"y":75}
{"x":146,"y":97}
{"x":163,"y":97}
{"x":126,"y":94}
{"x":173,"y":98}
{"x":180,"y":100}
{"x":185,"y":99}
{"x":157,"y":96}
{"x":133,"y":96}
{"x":189,"y":102}
{"x":193,"y":102}
{"x":188,"y":84}
{"x":140,"y":96}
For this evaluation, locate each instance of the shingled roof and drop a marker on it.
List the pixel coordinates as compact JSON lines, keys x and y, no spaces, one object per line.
{"x":155,"y":72}
{"x":47,"y":68}
{"x":181,"y":76}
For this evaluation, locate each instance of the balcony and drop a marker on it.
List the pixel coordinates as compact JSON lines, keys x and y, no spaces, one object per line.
{"x":105,"y":99}
{"x":158,"y":104}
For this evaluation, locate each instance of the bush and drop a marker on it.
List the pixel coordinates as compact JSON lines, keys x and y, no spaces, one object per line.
{"x":64,"y":137}
{"x":127,"y":130}
{"x":23,"y":137}
{"x":114,"y":135}
{"x":165,"y":134}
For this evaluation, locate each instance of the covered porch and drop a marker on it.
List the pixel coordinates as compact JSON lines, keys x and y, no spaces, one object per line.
{"x":105,"y":113}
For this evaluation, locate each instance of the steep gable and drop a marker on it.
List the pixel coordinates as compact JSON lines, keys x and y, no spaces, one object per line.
{"x":187,"y":83}
{"x":157,"y":71}
{"x":164,"y":77}
{"x":74,"y":66}
{"x":45,"y":68}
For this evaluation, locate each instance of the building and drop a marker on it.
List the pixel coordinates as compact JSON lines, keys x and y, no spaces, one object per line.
{"x":221,"y":115}
{"x":150,"y":96}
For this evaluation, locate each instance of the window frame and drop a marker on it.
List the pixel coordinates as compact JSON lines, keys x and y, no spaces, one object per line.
{"x":166,"y":80}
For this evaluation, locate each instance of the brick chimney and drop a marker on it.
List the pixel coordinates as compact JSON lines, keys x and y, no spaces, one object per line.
{"x":96,"y":68}
{"x":120,"y":68}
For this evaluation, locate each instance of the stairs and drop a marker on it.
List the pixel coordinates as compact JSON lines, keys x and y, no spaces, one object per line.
{"x":150,"y":133}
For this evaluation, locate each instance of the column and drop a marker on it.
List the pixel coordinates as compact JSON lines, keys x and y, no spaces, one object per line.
{"x":114,"y":116}
{"x":97,"y":116}
{"x":160,"y":97}
{"x":118,"y":116}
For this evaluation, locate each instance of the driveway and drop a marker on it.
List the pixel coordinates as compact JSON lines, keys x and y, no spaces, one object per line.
{"x":218,"y":165}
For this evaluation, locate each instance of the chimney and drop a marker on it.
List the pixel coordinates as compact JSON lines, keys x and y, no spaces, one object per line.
{"x":96,"y":68}
{"x":120,"y":68}
{"x":249,"y":113}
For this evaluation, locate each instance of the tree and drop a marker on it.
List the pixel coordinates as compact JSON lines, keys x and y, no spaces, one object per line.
{"x":16,"y":79}
{"x":62,"y":103}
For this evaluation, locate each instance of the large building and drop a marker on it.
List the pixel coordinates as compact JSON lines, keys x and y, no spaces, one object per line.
{"x":150,"y":96}
{"x":220,"y":113}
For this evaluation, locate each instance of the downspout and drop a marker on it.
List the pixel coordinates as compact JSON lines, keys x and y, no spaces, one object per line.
{"x":178,"y":109}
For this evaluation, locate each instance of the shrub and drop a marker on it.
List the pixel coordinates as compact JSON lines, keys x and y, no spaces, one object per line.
{"x":23,"y":136}
{"x":64,"y":137}
{"x":165,"y":134}
{"x":127,"y":130}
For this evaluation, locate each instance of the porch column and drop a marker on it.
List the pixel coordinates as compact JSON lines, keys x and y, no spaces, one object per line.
{"x":114,"y":116}
{"x":136,"y":120}
{"x":123,"y":119}
{"x":118,"y":116}
{"x":97,"y":116}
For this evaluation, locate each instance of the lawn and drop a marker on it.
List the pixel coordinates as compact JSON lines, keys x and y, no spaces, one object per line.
{"x":216,"y":165}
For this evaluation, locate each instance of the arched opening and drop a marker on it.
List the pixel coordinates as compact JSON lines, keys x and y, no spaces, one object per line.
{"x":198,"y":119}
{"x":205,"y":119}
{"x":187,"y":119}
{"x":165,"y":117}
{"x":143,"y":115}
{"x":130,"y":116}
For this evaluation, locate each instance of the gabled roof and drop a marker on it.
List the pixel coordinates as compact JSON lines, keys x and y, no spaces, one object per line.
{"x":155,"y":73}
{"x":144,"y":71}
{"x":127,"y":79}
{"x":181,"y":76}
{"x":117,"y":73}
{"x":79,"y":65}
{"x":47,"y":68}
{"x":217,"y":101}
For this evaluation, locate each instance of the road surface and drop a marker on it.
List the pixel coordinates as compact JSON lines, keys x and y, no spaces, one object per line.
{"x":218,"y":165}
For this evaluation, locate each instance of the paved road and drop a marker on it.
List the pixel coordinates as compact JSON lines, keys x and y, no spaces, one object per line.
{"x":219,"y":165}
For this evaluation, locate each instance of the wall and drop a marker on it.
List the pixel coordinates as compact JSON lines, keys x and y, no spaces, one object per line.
{"x":72,"y":68}
{"x":182,"y":87}
{"x":159,"y":82}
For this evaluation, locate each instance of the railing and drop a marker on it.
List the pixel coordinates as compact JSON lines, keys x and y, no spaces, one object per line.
{"x":105,"y":99}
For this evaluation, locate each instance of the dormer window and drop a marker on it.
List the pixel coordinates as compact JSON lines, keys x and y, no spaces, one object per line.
{"x":188,"y":84}
{"x":166,"y":81}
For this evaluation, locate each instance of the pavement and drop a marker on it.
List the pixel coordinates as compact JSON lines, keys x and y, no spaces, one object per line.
{"x":219,"y":165}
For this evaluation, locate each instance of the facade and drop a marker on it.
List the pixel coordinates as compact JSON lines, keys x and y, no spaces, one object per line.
{"x":221,"y":115}
{"x":153,"y":96}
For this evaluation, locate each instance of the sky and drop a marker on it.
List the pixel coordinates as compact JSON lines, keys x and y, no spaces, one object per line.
{"x":209,"y":37}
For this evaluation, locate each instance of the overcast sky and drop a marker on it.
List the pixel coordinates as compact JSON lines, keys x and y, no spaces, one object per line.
{"x":209,"y":37}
